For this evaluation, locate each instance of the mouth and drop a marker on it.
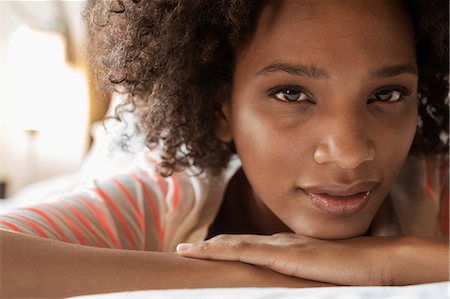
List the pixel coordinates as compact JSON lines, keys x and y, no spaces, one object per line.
{"x":338,"y":200}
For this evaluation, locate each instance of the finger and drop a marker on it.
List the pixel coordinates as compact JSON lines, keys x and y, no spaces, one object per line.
{"x":253,"y":249}
{"x":274,"y":252}
{"x":219,"y":247}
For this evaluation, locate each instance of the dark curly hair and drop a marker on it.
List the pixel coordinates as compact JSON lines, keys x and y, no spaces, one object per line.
{"x":171,"y":57}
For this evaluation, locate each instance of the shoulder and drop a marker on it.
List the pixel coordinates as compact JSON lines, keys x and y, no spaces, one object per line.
{"x":420,"y":195}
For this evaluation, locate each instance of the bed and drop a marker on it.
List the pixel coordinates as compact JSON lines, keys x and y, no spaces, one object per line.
{"x":422,"y":291}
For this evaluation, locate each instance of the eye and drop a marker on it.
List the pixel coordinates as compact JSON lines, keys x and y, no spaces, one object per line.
{"x":288,"y":94}
{"x":390,"y":94}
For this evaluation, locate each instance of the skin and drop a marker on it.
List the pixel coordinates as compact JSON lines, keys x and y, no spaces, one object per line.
{"x":342,"y":133}
{"x":337,"y":135}
{"x":34,"y":267}
{"x":357,"y":261}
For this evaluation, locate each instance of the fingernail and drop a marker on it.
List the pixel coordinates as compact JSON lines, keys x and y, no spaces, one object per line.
{"x":184,"y":246}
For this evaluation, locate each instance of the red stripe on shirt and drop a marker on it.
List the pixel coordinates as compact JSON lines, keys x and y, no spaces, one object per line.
{"x":103,"y":221}
{"x":444,"y":198}
{"x":444,"y":178}
{"x":428,"y":188}
{"x":157,"y":178}
{"x":11,"y":225}
{"x":50,"y":221}
{"x":153,"y":208}
{"x":86,"y":223}
{"x":445,"y":216}
{"x":119,"y":215}
{"x":36,"y":227}
{"x":176,"y":192}
{"x":75,"y":229}
{"x":162,"y":184}
{"x":132,"y":201}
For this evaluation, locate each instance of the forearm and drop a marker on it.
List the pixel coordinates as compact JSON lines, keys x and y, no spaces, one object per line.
{"x":418,"y":260}
{"x":37,"y":267}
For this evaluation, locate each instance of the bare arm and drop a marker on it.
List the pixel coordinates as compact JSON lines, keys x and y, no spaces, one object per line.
{"x":419,"y":260}
{"x":358,"y":261}
{"x":36,"y":267}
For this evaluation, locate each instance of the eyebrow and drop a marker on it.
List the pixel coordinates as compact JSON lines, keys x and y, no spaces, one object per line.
{"x":394,"y":70}
{"x":315,"y":72}
{"x":295,"y":69}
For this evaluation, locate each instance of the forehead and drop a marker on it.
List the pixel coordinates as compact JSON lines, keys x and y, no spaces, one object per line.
{"x":332,"y":33}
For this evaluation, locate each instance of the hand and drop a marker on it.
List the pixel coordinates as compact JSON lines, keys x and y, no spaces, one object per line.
{"x":357,"y":261}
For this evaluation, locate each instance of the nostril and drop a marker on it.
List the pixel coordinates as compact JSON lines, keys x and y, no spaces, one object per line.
{"x":346,"y":156}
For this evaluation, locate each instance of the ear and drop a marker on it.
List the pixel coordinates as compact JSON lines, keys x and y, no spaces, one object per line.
{"x":223,"y":126}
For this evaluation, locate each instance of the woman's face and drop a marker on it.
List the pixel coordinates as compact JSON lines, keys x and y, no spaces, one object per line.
{"x":323,"y":111}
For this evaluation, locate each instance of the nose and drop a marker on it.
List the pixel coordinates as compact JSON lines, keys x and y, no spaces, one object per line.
{"x":345,"y":141}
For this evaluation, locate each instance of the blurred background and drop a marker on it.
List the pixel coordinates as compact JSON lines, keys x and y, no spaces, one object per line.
{"x":49,"y":106}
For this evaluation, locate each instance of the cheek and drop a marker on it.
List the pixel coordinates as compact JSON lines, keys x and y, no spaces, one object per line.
{"x":394,"y":139}
{"x":270,"y":149}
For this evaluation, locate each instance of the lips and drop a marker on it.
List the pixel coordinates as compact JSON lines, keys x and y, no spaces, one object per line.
{"x":340,"y":200}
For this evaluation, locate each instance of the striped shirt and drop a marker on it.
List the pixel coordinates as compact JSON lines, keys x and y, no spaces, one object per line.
{"x":140,"y":210}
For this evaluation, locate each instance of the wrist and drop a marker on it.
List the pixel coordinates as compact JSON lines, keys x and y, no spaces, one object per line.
{"x":418,"y":260}
{"x":383,"y":257}
{"x":397,"y":260}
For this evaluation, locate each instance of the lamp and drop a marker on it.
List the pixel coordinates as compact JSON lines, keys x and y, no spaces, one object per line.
{"x":46,"y":98}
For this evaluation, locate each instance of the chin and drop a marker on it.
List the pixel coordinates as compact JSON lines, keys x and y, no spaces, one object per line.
{"x":333,"y":231}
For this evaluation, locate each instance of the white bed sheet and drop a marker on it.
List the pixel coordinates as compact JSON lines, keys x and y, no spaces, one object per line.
{"x":422,"y":291}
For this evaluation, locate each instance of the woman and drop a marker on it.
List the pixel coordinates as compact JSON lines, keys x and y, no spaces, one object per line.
{"x":320,"y":102}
